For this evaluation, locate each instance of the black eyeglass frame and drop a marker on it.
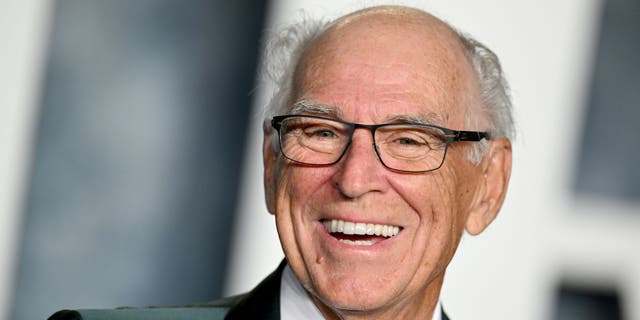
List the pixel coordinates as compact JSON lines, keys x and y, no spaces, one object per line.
{"x":450,"y":137}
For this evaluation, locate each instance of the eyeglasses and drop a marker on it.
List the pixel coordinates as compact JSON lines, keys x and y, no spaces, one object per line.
{"x":403,"y":147}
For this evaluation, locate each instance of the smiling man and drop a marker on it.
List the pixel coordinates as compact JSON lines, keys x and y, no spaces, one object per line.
{"x":392,"y":137}
{"x":387,"y":138}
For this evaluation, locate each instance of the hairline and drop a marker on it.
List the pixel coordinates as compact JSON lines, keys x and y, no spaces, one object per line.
{"x":487,"y":76}
{"x":307,"y":107}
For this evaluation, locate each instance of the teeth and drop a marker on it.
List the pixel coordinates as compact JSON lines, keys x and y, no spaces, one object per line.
{"x":370,"y":229}
{"x":360,"y":228}
{"x":377,"y":229}
{"x":347,"y":227}
{"x":357,"y":242}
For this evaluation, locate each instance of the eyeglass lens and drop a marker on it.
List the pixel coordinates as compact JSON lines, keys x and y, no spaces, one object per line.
{"x":403,"y":147}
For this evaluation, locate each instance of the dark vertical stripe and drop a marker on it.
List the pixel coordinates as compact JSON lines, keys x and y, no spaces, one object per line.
{"x":142,"y":126}
{"x":609,"y":156}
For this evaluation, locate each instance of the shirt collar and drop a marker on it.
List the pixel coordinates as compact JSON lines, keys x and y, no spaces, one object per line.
{"x":296,"y":304}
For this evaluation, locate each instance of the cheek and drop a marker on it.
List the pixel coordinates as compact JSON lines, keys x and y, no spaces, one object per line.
{"x":301,"y":190}
{"x":453,"y":205}
{"x":301,"y":193}
{"x":434,"y":198}
{"x":431,"y":196}
{"x":457,"y":185}
{"x":301,"y":185}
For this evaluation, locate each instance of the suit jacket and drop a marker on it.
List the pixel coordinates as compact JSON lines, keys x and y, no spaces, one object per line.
{"x":263,"y":302}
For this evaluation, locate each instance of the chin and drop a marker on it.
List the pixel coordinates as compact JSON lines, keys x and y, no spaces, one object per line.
{"x":356,"y":296}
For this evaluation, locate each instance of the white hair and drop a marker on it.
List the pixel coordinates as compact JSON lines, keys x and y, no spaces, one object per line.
{"x":496,"y":103}
{"x":283,"y":52}
{"x":285,"y":48}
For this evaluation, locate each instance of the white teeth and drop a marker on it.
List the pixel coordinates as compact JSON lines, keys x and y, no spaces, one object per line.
{"x":370,"y":229}
{"x":377,"y":229}
{"x":360,"y":228}
{"x":357,"y":242}
{"x":347,"y":227}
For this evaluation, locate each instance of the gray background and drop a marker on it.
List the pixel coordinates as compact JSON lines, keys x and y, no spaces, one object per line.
{"x":142,"y":125}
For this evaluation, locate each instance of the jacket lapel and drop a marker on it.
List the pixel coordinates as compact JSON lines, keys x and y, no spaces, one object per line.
{"x":444,"y":316}
{"x":263,"y":302}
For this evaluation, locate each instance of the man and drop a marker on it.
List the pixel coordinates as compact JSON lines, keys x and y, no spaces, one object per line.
{"x":388,"y":137}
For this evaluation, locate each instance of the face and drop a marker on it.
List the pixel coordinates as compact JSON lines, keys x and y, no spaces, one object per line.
{"x":405,"y":70}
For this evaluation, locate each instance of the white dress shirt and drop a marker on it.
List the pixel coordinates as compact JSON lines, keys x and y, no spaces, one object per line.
{"x":295,"y":303}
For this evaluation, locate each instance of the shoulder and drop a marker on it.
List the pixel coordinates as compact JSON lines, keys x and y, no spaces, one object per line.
{"x":66,"y":315}
{"x":173,"y":313}
{"x":211,"y":310}
{"x":263,"y":302}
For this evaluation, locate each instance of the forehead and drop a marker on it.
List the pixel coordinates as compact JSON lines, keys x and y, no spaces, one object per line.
{"x":382,"y":64}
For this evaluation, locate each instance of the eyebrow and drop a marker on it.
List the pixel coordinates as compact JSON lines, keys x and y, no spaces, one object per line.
{"x":306,"y":107}
{"x":426,"y":118}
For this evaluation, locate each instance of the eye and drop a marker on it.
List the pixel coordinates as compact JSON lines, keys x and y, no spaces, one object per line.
{"x":408,"y":142}
{"x":320,"y":132}
{"x":323,"y":133}
{"x":406,"y":139}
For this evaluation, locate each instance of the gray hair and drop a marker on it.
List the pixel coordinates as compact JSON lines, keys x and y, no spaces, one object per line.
{"x":284,"y":50}
{"x":494,"y":92}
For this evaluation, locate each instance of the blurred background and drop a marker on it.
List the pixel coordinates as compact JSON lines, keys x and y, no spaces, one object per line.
{"x":130,"y":151}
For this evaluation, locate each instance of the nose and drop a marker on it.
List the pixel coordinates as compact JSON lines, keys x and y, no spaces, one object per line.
{"x":360,"y":171}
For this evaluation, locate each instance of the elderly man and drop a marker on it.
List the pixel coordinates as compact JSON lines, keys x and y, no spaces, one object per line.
{"x":387,"y":138}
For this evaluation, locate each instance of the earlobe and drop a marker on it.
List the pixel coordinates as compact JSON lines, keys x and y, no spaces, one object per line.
{"x":493,"y":188}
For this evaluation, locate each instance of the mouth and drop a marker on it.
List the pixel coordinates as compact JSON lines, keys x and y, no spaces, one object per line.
{"x":359,"y":233}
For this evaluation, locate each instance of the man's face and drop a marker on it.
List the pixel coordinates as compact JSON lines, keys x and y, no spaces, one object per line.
{"x":370,"y":73}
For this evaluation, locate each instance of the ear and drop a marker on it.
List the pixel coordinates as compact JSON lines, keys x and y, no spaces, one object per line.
{"x":269,"y":158}
{"x":490,"y":195}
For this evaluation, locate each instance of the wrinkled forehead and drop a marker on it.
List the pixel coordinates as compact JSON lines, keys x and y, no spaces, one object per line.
{"x":410,"y":56}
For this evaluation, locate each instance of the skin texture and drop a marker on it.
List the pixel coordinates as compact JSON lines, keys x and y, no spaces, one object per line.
{"x":371,"y":67}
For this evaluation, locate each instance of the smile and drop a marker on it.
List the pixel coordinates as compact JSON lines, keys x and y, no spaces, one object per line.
{"x":359,"y":234}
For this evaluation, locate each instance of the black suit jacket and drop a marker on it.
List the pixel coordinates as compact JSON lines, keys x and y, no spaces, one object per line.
{"x":263,"y":302}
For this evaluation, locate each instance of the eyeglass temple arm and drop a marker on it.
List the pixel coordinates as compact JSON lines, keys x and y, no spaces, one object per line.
{"x":471,"y":135}
{"x":275,"y":123}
